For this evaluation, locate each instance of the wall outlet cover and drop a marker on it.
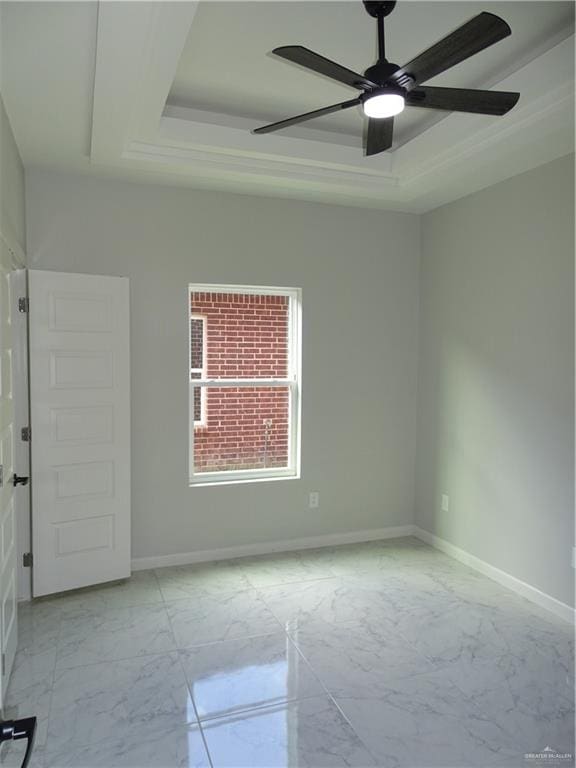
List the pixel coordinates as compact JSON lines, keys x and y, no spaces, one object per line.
{"x":314,"y":500}
{"x":445,"y":503}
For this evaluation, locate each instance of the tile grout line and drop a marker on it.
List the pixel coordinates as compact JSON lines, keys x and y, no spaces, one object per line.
{"x":347,"y":720}
{"x":231,"y":640}
{"x":244,"y":710}
{"x":241,"y":711}
{"x":51,"y":695}
{"x":287,"y":700}
{"x":189,"y":689}
{"x":198,"y":721}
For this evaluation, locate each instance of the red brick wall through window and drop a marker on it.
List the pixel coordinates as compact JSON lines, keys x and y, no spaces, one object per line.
{"x":246,"y":337}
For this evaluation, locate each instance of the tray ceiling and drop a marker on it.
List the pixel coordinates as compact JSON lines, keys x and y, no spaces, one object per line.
{"x":169,"y":92}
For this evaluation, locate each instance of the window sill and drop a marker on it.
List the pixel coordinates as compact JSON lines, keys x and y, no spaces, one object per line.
{"x":212,"y":481}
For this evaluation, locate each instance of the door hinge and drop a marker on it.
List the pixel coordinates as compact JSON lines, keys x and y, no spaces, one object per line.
{"x":23,"y":304}
{"x":3,"y":664}
{"x":25,"y":434}
{"x":27,"y":560}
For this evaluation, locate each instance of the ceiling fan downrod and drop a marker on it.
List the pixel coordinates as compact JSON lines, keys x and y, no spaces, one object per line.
{"x":378,"y":9}
{"x":383,"y":69}
{"x":381,"y":42}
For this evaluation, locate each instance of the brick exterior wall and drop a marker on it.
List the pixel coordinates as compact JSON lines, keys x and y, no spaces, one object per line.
{"x":247,"y":337}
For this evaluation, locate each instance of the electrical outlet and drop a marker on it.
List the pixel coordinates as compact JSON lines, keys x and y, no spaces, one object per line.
{"x":573,"y":557}
{"x":445,"y":502}
{"x":314,"y":500}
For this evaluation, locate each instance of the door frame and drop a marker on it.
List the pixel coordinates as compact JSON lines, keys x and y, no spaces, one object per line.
{"x":22,"y":457}
{"x":11,"y":258}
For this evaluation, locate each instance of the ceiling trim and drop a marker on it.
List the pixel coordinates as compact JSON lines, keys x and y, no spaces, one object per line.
{"x":137,"y":53}
{"x":204,"y":162}
{"x":236,"y":138}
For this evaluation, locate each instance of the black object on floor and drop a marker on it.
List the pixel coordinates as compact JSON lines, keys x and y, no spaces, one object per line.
{"x":12,"y":730}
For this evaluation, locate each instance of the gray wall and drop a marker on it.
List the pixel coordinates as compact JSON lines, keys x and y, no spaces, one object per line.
{"x":12,"y":206}
{"x":358,"y":271}
{"x":496,"y":376}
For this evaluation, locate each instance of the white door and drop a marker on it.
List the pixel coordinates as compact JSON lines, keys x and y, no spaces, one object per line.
{"x":19,"y":292}
{"x":80,"y":409}
{"x":8,"y":600}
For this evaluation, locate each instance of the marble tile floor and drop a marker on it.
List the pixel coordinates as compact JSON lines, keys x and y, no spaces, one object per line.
{"x":383,"y":654}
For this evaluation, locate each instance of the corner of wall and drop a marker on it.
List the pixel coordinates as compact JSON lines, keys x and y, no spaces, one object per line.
{"x":495,"y":370}
{"x":12,"y":192}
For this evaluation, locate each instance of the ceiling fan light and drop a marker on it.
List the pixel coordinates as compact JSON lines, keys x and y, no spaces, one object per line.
{"x":383,"y":105}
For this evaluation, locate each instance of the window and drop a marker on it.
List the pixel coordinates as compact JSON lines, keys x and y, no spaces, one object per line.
{"x":244,"y":383}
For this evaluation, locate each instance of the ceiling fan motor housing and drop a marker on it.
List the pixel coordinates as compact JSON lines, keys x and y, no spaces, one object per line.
{"x":381,"y":71}
{"x":385,"y":90}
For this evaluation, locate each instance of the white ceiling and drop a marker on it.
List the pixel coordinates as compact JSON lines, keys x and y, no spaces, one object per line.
{"x":168,"y":92}
{"x":47,"y":53}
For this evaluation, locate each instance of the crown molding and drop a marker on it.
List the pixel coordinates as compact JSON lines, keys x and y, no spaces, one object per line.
{"x":205,"y":159}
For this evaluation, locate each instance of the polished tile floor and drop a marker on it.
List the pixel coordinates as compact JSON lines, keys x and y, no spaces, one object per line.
{"x":380,"y":654}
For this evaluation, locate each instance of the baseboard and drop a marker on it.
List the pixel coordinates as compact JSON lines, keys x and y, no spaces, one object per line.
{"x":269,"y":547}
{"x":531,"y":593}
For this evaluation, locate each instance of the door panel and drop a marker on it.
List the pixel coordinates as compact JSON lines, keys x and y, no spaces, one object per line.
{"x":79,"y":382}
{"x":87,"y":425}
{"x":72,"y":369}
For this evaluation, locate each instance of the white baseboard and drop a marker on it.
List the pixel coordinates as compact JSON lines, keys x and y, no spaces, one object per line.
{"x":542,"y":599}
{"x":268,"y":547}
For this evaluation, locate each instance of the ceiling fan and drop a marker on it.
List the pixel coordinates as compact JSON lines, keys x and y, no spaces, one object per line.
{"x":387,"y":88}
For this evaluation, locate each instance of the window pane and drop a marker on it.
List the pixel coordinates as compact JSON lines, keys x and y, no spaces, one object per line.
{"x":247,"y":428}
{"x":196,"y":343}
{"x":197,"y":399}
{"x":247,"y":335}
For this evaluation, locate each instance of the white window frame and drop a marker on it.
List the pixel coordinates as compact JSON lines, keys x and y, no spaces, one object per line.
{"x":201,"y":371}
{"x":293,"y":381}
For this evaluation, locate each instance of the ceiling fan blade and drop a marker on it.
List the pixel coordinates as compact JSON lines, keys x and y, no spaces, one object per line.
{"x":379,"y":136}
{"x":317,"y":63}
{"x":307,"y":116}
{"x":474,"y":36}
{"x":462,"y":100}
